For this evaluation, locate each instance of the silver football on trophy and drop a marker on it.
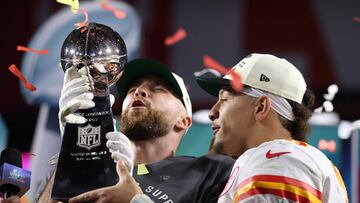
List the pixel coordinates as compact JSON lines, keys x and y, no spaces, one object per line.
{"x":99,"y":49}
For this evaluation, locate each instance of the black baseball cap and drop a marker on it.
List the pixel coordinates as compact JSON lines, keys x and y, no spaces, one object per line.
{"x":141,"y":67}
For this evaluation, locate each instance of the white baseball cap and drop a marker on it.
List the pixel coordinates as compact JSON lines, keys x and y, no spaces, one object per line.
{"x":141,"y":67}
{"x":265,"y":72}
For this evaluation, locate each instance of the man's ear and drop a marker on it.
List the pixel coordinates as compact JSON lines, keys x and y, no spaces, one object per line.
{"x":262,"y":108}
{"x":183,"y":123}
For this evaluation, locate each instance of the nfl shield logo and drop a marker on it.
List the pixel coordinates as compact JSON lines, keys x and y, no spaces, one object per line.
{"x":88,"y":137}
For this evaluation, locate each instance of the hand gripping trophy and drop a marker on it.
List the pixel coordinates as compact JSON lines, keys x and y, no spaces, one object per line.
{"x":84,"y":161}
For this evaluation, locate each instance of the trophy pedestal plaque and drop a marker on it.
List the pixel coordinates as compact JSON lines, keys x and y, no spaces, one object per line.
{"x":85,"y":162}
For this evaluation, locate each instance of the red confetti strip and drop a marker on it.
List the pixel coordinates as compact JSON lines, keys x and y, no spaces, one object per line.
{"x":211,"y":63}
{"x":327,"y":145}
{"x":118,"y":14}
{"x":84,"y":23}
{"x":18,"y":74}
{"x":356,"y":19}
{"x":177,"y":37}
{"x":236,"y":83}
{"x":22,"y":48}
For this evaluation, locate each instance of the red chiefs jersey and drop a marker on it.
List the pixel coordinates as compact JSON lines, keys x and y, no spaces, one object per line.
{"x":284,"y":171}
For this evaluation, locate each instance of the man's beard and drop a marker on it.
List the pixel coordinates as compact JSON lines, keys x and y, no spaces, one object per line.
{"x":144,"y":125}
{"x":219,"y":148}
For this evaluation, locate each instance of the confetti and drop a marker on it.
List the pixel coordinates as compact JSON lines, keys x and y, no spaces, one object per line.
{"x":74,"y":4}
{"x":22,"y":48}
{"x":329,"y":96}
{"x":236,"y":83}
{"x":332,"y":90}
{"x":177,"y":37}
{"x":328,"y":106}
{"x":356,"y":19}
{"x":211,"y":63}
{"x":18,"y":74}
{"x":84,"y":23}
{"x":118,"y":14}
{"x":327,"y":145}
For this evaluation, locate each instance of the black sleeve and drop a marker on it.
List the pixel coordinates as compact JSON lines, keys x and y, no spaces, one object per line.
{"x":217,"y":177}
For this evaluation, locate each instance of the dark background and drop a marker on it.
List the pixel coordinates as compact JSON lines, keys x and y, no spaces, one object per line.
{"x":319,"y":37}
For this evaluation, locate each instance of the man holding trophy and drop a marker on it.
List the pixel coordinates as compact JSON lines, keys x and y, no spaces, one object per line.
{"x":156,"y":114}
{"x":93,"y":57}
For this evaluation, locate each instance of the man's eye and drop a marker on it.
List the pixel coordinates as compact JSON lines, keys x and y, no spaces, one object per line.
{"x":159,"y":88}
{"x":131,"y":90}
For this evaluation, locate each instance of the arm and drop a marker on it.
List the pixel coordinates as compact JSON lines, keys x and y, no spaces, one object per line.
{"x":127,"y":190}
{"x":45,"y":195}
{"x":12,"y":199}
{"x":75,"y":95}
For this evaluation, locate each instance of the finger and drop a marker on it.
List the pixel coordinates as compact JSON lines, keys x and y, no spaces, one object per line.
{"x":70,"y":74}
{"x":87,"y":96}
{"x":121,"y":157}
{"x":117,"y":156}
{"x":113,"y":145}
{"x":91,"y":196}
{"x":111,"y":151}
{"x":120,"y":146}
{"x":123,"y":146}
{"x":122,"y":171}
{"x":116,"y":136}
{"x":76,"y":82}
{"x":74,"y":92}
{"x":65,"y":111}
{"x":80,"y":103}
{"x":75,"y":105}
{"x":74,"y":119}
{"x":12,"y":199}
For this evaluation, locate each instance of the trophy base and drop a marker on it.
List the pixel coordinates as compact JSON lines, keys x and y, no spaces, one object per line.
{"x":85,"y":162}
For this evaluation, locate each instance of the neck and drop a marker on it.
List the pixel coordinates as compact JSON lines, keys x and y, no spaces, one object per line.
{"x":267,"y":133}
{"x":153,"y":150}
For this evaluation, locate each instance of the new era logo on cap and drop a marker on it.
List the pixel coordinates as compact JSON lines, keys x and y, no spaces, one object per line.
{"x":264,"y":78}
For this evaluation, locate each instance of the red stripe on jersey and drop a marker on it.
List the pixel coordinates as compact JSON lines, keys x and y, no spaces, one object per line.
{"x":279,"y":193}
{"x":282,"y":179}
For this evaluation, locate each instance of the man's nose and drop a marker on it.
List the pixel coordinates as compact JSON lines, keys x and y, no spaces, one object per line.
{"x":140,"y":92}
{"x":214,"y":113}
